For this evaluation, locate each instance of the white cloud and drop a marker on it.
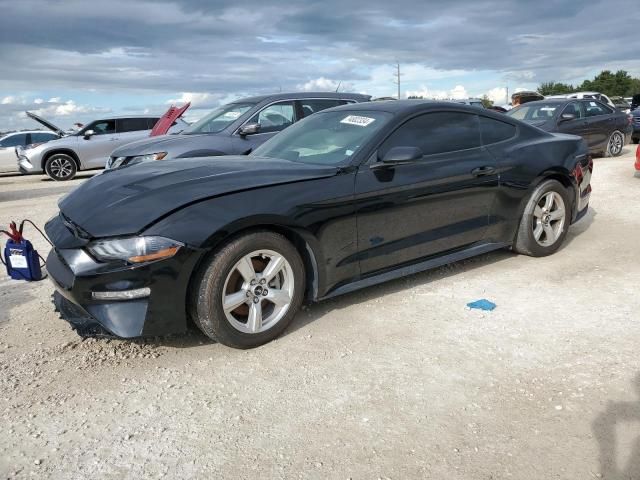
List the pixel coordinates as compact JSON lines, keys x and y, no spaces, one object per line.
{"x":197,"y":99}
{"x":498,"y":95}
{"x":38,"y":101}
{"x":55,"y":100}
{"x":458,"y":92}
{"x":323,"y":84}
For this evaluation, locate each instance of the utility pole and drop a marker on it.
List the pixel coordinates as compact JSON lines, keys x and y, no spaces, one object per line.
{"x":397,"y":75}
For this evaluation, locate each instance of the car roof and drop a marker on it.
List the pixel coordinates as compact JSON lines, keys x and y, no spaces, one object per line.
{"x":8,"y":134}
{"x":302,"y":95}
{"x":406,"y":106}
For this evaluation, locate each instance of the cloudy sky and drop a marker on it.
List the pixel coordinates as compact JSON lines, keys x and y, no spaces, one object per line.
{"x":72,"y":60}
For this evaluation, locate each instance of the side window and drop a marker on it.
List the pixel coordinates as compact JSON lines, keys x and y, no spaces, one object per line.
{"x":275,"y":117}
{"x":594,"y":109}
{"x":435,"y":133}
{"x":102,"y":127}
{"x":42,"y":137}
{"x":310,"y":107}
{"x":151,"y":122}
{"x":573,"y":108}
{"x":14,"y":140}
{"x":494,"y":131}
{"x":124,"y":125}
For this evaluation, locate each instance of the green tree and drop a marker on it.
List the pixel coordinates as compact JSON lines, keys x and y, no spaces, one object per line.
{"x":612,"y":84}
{"x":555,"y":88}
{"x":486,"y":101}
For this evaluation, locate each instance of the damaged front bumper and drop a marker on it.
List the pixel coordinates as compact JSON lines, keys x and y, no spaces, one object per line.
{"x":125,"y":300}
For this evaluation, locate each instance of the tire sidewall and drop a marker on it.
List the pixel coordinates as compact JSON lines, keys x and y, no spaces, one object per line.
{"x":208,"y":306}
{"x":547,"y":186}
{"x":47,"y":167}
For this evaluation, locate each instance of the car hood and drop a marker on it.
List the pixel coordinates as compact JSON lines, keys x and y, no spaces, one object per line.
{"x":167,"y":143}
{"x":46,"y":123}
{"x":126,"y":201}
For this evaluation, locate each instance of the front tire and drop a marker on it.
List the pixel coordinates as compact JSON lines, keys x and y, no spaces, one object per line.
{"x":248,"y":292}
{"x":615,"y":144}
{"x":545,"y":220}
{"x":60,"y":167}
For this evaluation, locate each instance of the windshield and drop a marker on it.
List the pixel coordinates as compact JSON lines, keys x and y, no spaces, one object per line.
{"x":534,"y":113}
{"x":219,"y":119}
{"x":326,"y":138}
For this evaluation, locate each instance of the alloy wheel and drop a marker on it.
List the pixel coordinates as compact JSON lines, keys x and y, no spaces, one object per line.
{"x":549,"y":217}
{"x":616,"y":142}
{"x":258,"y":291}
{"x":61,"y":167}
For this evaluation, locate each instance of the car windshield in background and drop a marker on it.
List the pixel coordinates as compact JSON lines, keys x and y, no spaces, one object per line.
{"x":534,"y":113}
{"x":327,"y":138}
{"x":219,"y":119}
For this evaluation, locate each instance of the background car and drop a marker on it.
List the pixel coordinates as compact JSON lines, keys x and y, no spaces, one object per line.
{"x":605,"y":129}
{"x":635,"y":120}
{"x":17,"y":140}
{"x":474,"y":102}
{"x":345,"y":199}
{"x":621,"y":104}
{"x":233,"y":129}
{"x":87,"y":149}
{"x":586,"y":95}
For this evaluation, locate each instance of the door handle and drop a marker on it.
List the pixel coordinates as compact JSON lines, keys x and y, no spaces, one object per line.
{"x":480,"y":171}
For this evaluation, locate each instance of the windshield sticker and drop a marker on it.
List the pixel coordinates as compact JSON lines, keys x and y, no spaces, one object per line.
{"x":357,"y":120}
{"x":593,"y":104}
{"x":548,"y":109}
{"x":232,"y":115}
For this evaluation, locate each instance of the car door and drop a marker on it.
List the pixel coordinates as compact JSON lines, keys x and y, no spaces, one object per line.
{"x":272,"y":119}
{"x":439,"y":203}
{"x":8,"y":158}
{"x":578,"y":126}
{"x":600,"y":123}
{"x":94,"y":150}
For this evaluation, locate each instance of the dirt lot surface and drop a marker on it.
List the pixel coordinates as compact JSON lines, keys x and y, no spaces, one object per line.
{"x":397,"y":381}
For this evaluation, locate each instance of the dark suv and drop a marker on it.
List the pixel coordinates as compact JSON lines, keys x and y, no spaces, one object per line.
{"x":233,"y":129}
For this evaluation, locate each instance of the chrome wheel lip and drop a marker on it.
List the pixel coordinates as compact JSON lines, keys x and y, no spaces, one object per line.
{"x":61,"y":167}
{"x":273,"y":287}
{"x":549,"y":218}
{"x":616,"y":143}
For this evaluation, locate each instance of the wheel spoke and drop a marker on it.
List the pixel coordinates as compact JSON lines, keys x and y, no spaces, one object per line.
{"x":551,"y":235}
{"x":254,"y":322}
{"x":234,"y":300}
{"x":548,"y":202}
{"x":275,"y":265}
{"x":537,"y":212}
{"x":537,"y":232}
{"x":278,"y":297}
{"x":245,"y":267}
{"x":557,"y":214}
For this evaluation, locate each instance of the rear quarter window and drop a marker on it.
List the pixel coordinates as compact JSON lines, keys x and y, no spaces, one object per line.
{"x":494,"y":131}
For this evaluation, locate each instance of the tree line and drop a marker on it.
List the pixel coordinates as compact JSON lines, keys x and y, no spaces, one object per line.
{"x":619,"y":84}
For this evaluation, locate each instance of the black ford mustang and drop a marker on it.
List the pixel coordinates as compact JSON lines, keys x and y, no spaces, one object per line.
{"x":346,"y":198}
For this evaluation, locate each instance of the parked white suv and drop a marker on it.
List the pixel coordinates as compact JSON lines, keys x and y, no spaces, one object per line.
{"x":595,"y":95}
{"x":11,"y":141}
{"x":87,"y":149}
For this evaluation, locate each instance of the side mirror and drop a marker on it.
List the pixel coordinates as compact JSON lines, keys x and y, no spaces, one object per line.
{"x":400,"y":155}
{"x":566,"y":117}
{"x":249,"y":129}
{"x":88,"y":134}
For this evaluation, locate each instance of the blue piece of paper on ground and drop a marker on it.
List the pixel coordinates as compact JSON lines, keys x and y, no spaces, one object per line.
{"x":482,"y":304}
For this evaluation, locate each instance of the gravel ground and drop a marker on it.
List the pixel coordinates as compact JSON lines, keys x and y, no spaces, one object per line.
{"x":397,"y":381}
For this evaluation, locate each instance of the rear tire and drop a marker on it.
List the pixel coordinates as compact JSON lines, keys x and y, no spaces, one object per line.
{"x":545,"y":220}
{"x":60,"y":167}
{"x":249,"y":291}
{"x":615,"y":144}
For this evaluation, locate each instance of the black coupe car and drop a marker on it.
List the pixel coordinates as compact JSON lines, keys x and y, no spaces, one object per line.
{"x":347,"y":198}
{"x":606,"y":130}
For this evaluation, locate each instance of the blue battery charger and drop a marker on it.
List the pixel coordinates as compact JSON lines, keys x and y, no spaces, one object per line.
{"x":23,"y":261}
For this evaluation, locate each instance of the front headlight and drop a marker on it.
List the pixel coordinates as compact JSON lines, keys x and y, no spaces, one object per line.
{"x":134,"y":249}
{"x":149,"y":157}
